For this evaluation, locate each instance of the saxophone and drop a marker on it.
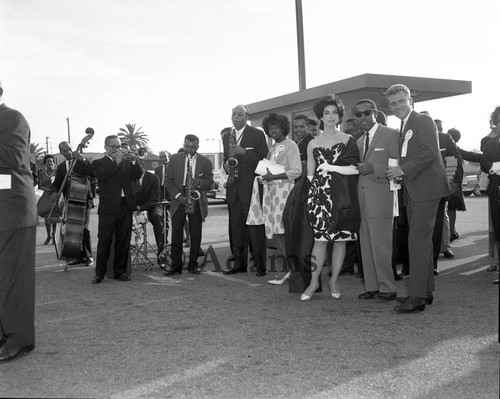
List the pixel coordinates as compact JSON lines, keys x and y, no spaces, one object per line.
{"x":191,"y":194}
{"x":232,"y":162}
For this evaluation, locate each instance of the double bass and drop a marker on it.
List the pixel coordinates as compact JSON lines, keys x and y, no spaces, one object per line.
{"x":74,"y":214}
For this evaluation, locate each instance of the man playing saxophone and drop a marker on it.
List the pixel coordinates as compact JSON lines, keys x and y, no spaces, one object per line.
{"x":189,"y":177}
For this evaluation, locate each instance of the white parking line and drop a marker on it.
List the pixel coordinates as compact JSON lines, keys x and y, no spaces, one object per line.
{"x":156,"y":388}
{"x":474,"y":271}
{"x":235,"y":280}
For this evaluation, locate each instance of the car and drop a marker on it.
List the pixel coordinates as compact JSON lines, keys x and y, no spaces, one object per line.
{"x":219,"y":190}
{"x":470,"y":185}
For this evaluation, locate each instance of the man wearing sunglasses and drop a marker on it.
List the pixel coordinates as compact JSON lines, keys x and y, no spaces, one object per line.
{"x":377,"y":202}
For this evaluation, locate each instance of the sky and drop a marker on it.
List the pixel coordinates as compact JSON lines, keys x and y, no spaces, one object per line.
{"x":177,"y":67}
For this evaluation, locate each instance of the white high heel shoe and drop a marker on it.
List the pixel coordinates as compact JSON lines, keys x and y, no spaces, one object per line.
{"x":284,"y":280}
{"x":334,"y":295}
{"x":305,"y":297}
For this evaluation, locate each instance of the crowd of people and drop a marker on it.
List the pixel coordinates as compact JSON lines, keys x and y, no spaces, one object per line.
{"x":386,"y":193}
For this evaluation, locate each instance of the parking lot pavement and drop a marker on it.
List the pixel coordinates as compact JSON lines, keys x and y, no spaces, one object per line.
{"x":236,"y":336}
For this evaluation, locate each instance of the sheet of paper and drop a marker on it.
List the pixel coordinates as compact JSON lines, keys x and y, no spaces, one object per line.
{"x":5,"y":182}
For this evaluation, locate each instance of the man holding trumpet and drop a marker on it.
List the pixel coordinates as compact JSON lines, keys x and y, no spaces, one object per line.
{"x":115,"y":172}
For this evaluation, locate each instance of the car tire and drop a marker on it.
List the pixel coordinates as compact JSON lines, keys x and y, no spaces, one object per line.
{"x":467,"y":193}
{"x":477,"y":191}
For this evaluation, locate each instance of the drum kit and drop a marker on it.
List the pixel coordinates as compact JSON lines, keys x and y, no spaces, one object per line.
{"x":139,"y":243}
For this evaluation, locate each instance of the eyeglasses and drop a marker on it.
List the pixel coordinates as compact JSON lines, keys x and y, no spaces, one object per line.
{"x":365,"y":113}
{"x":114,"y":147}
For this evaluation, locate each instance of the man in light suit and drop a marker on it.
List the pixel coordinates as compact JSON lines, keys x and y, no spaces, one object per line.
{"x":18,"y":220}
{"x":377,"y":202}
{"x":249,"y":148}
{"x":424,"y":179}
{"x":177,"y":184}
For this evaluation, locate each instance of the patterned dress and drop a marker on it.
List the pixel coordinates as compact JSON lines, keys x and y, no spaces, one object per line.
{"x":320,"y":206}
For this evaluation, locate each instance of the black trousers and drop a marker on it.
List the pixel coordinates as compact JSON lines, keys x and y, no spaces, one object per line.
{"x":119,"y":226}
{"x":195,"y":231}
{"x":241,"y":233}
{"x":155,"y":216}
{"x":17,"y":286}
{"x":437,"y":234}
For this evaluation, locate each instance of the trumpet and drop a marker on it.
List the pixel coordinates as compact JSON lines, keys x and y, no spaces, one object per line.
{"x":128,"y":156}
{"x":142,"y":153}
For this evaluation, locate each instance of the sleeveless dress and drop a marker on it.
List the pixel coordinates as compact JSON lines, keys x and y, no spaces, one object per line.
{"x":320,"y":205}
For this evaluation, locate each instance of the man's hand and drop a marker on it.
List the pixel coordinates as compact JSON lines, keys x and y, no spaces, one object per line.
{"x":365,"y":168}
{"x":182,"y":199}
{"x":237,"y":150}
{"x":393,"y":172}
{"x":77,"y":156}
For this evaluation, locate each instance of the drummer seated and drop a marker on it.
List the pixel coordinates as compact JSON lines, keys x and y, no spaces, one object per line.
{"x":147,"y":193}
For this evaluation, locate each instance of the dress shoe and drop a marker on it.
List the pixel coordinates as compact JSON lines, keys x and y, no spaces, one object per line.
{"x":89,"y":261}
{"x":194,"y":268}
{"x":122,"y":277}
{"x":171,"y":271}
{"x":398,"y":277}
{"x":436,"y":272}
{"x":388,"y":296}
{"x":261,"y":273}
{"x":234,"y":271}
{"x":284,"y":280}
{"x":96,"y":280}
{"x":8,"y":354}
{"x":411,"y":305}
{"x":405,"y":272}
{"x":448,"y":254}
{"x":345,"y":272}
{"x":428,"y":299}
{"x":454,"y":236}
{"x":307,"y":297}
{"x":495,"y":281}
{"x":47,"y":241}
{"x":75,"y":262}
{"x":492,"y":268}
{"x":368,"y":295}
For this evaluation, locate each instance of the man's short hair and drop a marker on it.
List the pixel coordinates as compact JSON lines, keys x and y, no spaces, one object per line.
{"x":367,"y":101}
{"x":301,"y":116}
{"x":312,"y":122}
{"x":397,"y":88}
{"x":109,"y":138}
{"x":192,"y":137}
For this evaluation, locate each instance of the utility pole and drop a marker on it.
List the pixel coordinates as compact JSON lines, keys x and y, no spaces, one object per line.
{"x":69,"y":135}
{"x":300,"y":45}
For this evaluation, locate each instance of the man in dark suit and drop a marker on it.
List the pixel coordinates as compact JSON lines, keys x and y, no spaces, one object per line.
{"x":424,"y":179}
{"x":18,"y":220}
{"x":302,"y":137}
{"x":449,"y":151}
{"x":82,"y":171}
{"x":115,"y":173}
{"x":248,"y":146}
{"x":377,"y":202}
{"x":161,"y":172}
{"x":188,"y":196}
{"x":147,"y":194}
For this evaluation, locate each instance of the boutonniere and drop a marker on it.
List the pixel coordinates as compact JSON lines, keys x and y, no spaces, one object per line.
{"x":276,"y":151}
{"x":404,"y":148}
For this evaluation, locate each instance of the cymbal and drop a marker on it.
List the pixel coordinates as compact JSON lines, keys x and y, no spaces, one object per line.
{"x":161,"y":203}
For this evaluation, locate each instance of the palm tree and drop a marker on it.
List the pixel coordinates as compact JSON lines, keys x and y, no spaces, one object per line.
{"x":36,"y":152}
{"x":133,"y":136}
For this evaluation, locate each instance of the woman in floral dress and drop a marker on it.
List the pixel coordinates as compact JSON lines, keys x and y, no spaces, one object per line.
{"x":332,"y":204}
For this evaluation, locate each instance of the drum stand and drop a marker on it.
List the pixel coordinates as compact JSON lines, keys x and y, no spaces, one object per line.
{"x":139,"y":250}
{"x":165,"y":258}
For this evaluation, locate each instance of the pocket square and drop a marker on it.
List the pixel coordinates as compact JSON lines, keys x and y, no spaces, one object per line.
{"x":379,"y":149}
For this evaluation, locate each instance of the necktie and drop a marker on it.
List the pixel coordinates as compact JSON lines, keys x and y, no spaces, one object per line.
{"x":162,"y":182}
{"x":402,"y":126}
{"x":367,"y":143}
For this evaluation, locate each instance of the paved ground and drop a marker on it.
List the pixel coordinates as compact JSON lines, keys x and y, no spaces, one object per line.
{"x":238,"y":337}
